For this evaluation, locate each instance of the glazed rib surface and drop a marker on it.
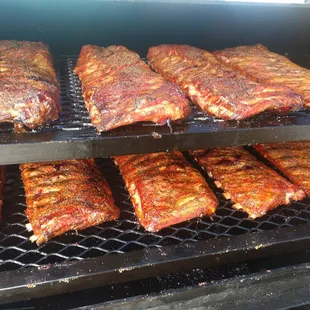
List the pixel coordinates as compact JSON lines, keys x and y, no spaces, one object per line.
{"x":264,"y":66}
{"x":291,"y":158}
{"x":120,"y":89}
{"x":29,"y":90}
{"x":65,"y":195}
{"x":165,"y":189}
{"x":216,"y":88}
{"x":252,"y":186}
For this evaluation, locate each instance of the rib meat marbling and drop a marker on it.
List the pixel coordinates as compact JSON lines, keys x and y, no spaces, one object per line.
{"x":29,"y":90}
{"x":65,"y":195}
{"x":264,"y":66}
{"x":216,"y":88}
{"x":165,"y":189}
{"x":120,"y":89}
{"x":291,"y":158}
{"x":252,"y":186}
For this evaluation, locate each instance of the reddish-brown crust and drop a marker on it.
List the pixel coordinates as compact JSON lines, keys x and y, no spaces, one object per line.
{"x":252,"y":186}
{"x":216,"y":88}
{"x":264,"y":66}
{"x":66,"y":195}
{"x":29,"y":90}
{"x":165,"y":189}
{"x":2,"y":182}
{"x":120,"y":89}
{"x":292,"y":158}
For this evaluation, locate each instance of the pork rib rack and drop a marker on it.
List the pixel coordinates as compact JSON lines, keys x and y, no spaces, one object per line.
{"x":291,"y":158}
{"x":65,"y":195}
{"x":217,"y":89}
{"x":120,"y":89}
{"x":165,"y":189}
{"x":264,"y":66}
{"x":29,"y":90}
{"x":252,"y":186}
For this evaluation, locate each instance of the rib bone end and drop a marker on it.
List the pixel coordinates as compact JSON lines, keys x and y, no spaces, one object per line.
{"x":29,"y":227}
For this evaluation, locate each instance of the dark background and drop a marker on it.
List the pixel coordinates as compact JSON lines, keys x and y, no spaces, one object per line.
{"x":67,"y":25}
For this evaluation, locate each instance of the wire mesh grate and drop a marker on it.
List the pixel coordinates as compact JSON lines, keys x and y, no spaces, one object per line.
{"x":124,"y":235}
{"x":74,"y":116}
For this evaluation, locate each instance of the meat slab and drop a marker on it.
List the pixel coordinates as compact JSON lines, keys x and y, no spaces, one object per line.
{"x":252,"y":186}
{"x":120,"y":89}
{"x":264,"y":66}
{"x":65,"y":195}
{"x":29,"y":90}
{"x":291,"y":158}
{"x":217,"y":89}
{"x":165,"y":189}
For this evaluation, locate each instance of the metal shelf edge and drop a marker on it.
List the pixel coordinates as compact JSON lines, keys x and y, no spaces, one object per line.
{"x":73,"y":276}
{"x":68,"y":148}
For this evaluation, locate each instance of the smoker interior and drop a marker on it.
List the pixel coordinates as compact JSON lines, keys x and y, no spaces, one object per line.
{"x":66,"y":26}
{"x":125,"y":235}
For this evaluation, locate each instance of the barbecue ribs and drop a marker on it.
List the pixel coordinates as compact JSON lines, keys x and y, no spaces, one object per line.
{"x":252,"y":186}
{"x":65,"y":195}
{"x":264,"y":66}
{"x":292,"y":158}
{"x":216,"y":88}
{"x":165,"y":189}
{"x":120,"y":89}
{"x":29,"y":90}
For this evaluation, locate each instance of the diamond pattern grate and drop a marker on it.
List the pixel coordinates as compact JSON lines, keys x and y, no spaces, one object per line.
{"x":75,"y":117}
{"x":124,"y":235}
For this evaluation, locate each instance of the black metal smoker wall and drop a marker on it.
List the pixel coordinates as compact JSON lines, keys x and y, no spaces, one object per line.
{"x":68,"y":24}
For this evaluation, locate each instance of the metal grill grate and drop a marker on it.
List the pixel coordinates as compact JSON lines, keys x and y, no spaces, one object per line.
{"x":71,"y":90}
{"x":197,"y":131}
{"x":124,"y":235}
{"x":77,"y":114}
{"x":74,"y":115}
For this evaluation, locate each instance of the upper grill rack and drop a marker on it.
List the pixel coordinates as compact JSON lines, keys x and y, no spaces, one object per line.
{"x":81,"y":139}
{"x":124,"y":235}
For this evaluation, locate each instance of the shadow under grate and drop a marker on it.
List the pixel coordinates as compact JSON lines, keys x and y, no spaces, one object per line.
{"x":124,"y":235}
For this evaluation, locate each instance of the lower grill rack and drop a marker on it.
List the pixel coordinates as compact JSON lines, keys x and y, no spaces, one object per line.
{"x":124,"y":235}
{"x":122,"y":250}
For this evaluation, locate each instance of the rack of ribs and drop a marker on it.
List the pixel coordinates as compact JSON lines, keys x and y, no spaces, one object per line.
{"x":2,"y":183}
{"x":252,"y":186}
{"x":29,"y":90}
{"x":217,"y":89}
{"x":65,"y":195}
{"x":291,"y":158}
{"x":165,"y":189}
{"x":119,"y":89}
{"x":264,"y":66}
